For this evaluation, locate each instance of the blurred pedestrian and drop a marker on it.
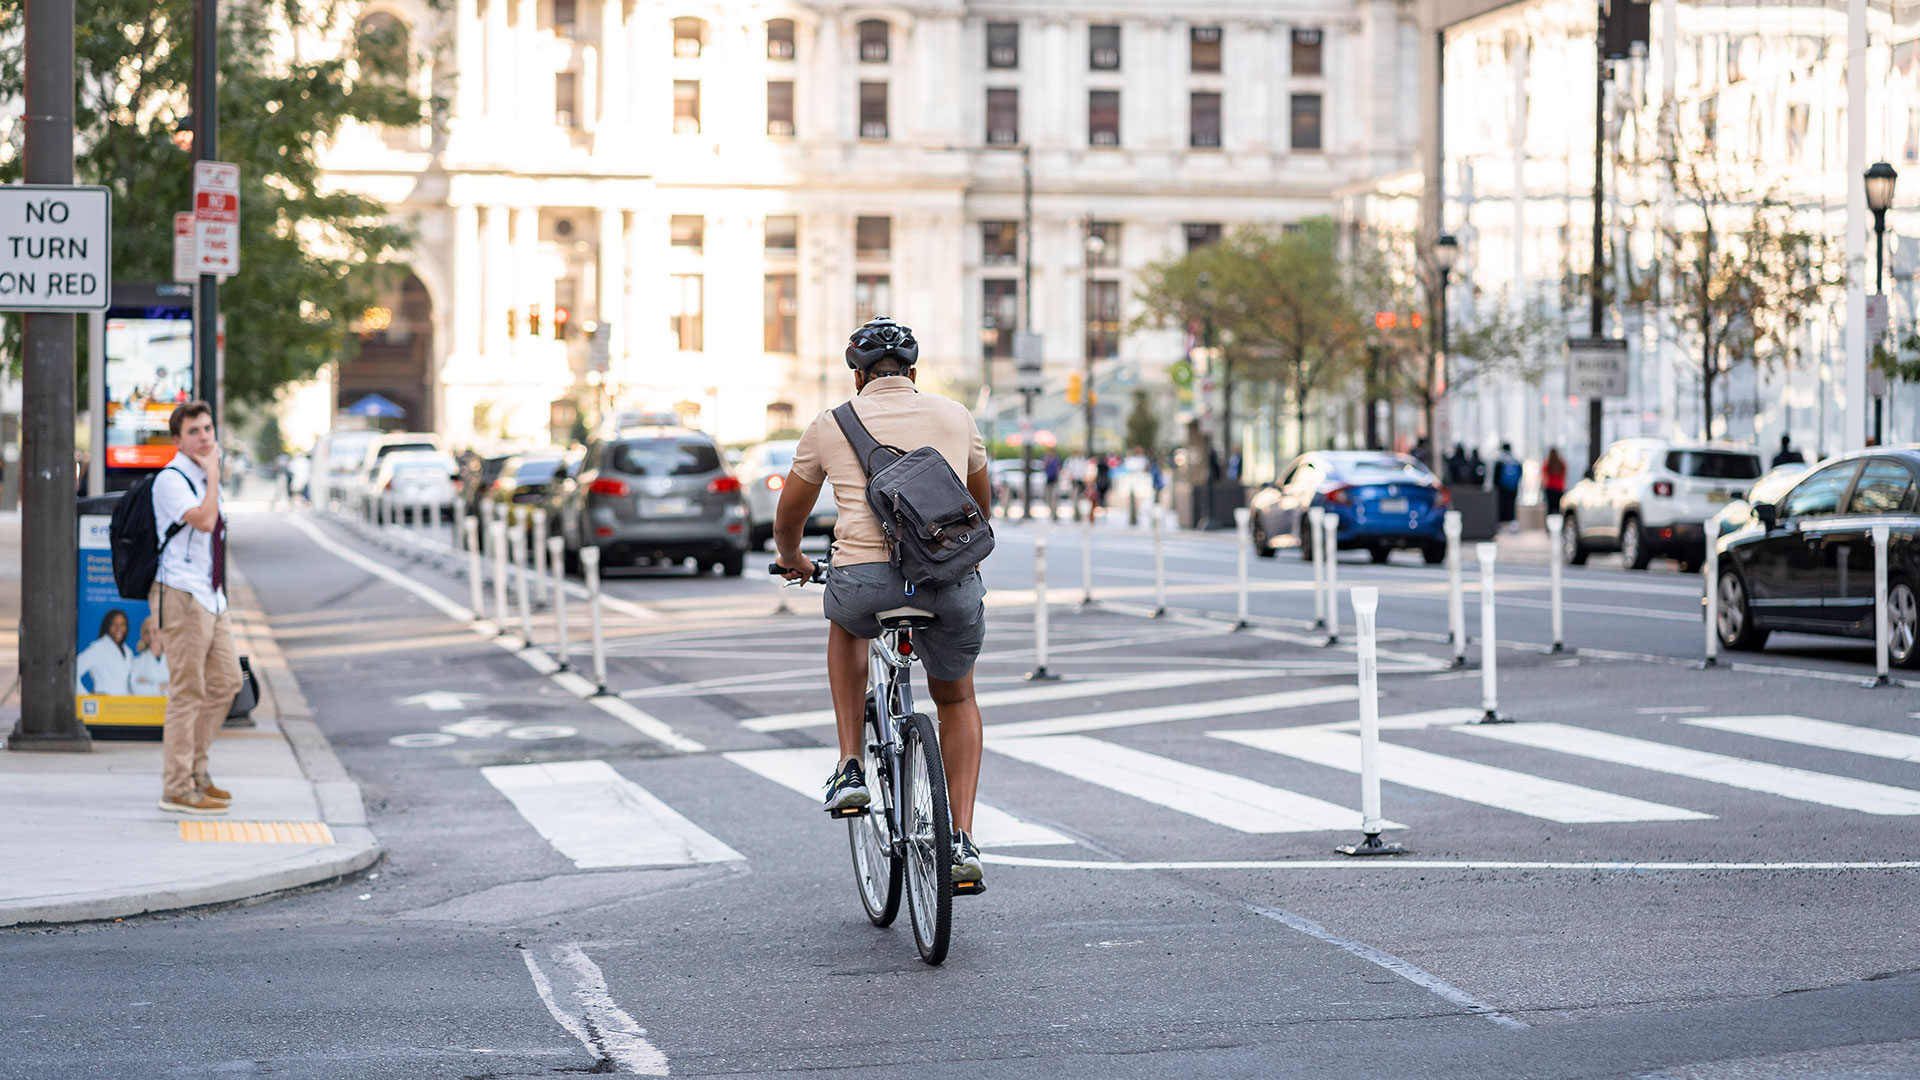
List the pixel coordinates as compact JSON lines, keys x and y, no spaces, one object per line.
{"x":1553,"y":480}
{"x":1052,"y":472}
{"x":1458,"y":471}
{"x":1788,"y":455}
{"x":1507,"y":473}
{"x":1476,"y":469}
{"x":1102,"y":483}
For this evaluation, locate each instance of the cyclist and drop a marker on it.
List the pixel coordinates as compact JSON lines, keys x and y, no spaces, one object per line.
{"x":863,"y":582}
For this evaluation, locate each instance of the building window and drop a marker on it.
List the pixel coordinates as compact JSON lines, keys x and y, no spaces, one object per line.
{"x":689,"y":36}
{"x":999,"y":243}
{"x":1710,"y":117}
{"x":1103,"y":320}
{"x":1003,"y":45}
{"x":686,"y":107}
{"x":1797,"y":132}
{"x":688,"y":231}
{"x":783,"y":236}
{"x":1108,"y":233}
{"x":872,"y":297}
{"x":1306,"y":52}
{"x":999,"y":314}
{"x":873,"y":110}
{"x":1912,"y":150}
{"x":1103,"y":118}
{"x":1306,"y":122}
{"x":1204,"y":119}
{"x":873,"y":238}
{"x":780,"y":39}
{"x":782,"y":314}
{"x":1204,"y":48}
{"x":1003,"y":117}
{"x":565,"y":15}
{"x":873,"y":41}
{"x":780,"y":108}
{"x":1103,"y":48}
{"x":566,"y":110}
{"x":1202,"y":234}
{"x":686,"y":319}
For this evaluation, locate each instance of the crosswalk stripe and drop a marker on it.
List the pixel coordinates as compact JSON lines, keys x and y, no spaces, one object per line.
{"x":1802,"y":784}
{"x":598,"y":818}
{"x":803,"y":768}
{"x":1822,"y":733}
{"x":1028,"y":695}
{"x":1222,"y":798}
{"x":1488,"y":785}
{"x":1186,"y":710}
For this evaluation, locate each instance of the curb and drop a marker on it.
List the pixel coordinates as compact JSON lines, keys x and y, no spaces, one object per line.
{"x":341,"y":807}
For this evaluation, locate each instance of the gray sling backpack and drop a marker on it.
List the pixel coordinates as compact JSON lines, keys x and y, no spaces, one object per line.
{"x":935,"y":530}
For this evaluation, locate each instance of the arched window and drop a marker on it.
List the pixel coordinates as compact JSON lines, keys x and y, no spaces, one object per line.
{"x":780,"y":39}
{"x":873,"y":41}
{"x":689,"y":37}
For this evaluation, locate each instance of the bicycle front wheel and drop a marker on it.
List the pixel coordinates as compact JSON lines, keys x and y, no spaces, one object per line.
{"x":929,"y":839}
{"x":876,"y":866}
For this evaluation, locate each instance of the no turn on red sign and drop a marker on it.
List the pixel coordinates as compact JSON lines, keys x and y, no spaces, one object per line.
{"x":216,"y":218}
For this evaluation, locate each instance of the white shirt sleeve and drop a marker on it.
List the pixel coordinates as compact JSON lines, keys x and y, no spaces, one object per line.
{"x":172,"y":498}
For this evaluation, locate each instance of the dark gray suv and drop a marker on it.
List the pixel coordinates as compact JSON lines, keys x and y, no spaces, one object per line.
{"x":651,"y":496}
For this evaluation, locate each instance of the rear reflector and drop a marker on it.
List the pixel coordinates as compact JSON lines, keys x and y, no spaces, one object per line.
{"x":603,"y":531}
{"x":1662,"y":488}
{"x":604,"y":486}
{"x":721,"y":485}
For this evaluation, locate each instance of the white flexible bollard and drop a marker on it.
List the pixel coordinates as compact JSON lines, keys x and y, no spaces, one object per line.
{"x":1317,"y":550}
{"x":590,"y":568}
{"x":1456,"y":599}
{"x":1243,"y":534}
{"x":1366,"y":604}
{"x":1489,"y":652}
{"x":1330,"y":543}
{"x":1554,"y":524}
{"x":475,"y":591}
{"x":1160,"y":562}
{"x":1040,"y":672}
{"x":540,"y":558}
{"x":1710,"y":592}
{"x":557,"y":560}
{"x":1086,"y":559}
{"x":517,"y":546}
{"x":497,"y":537}
{"x":1882,"y":630}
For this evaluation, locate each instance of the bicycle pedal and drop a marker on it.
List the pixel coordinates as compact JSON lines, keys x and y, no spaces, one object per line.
{"x":969,"y":888}
{"x":850,"y":811}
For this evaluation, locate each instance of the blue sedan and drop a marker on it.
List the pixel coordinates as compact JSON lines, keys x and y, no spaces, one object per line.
{"x":1383,"y":501}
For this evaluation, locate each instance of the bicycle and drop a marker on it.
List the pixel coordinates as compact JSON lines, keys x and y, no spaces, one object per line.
{"x":907,"y":830}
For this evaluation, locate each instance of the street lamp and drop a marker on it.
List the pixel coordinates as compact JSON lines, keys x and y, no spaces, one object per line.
{"x":1094,"y":244}
{"x":1880,"y":180}
{"x":1446,"y":252}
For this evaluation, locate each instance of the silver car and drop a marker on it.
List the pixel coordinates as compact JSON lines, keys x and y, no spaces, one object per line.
{"x":763,"y":471}
{"x":654,"y":496}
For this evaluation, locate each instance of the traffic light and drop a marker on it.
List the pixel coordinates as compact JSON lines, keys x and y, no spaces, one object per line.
{"x":1073,"y":388}
{"x":560,"y":321}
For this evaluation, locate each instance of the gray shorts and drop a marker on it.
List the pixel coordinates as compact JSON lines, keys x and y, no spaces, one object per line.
{"x":855,"y":594}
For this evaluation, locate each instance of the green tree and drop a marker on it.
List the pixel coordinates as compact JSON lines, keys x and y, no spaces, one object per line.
{"x":311,"y":259}
{"x":1143,"y":424}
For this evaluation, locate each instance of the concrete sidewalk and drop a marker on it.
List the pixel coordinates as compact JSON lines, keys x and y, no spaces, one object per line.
{"x":85,"y":840}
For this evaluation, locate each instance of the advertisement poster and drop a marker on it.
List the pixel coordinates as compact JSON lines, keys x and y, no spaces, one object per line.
{"x":149,"y":371}
{"x":120,"y":669}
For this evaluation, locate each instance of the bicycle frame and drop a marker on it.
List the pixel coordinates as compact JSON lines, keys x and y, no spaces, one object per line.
{"x":891,"y":691}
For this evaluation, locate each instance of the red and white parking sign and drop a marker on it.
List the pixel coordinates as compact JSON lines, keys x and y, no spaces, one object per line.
{"x":216,"y":217}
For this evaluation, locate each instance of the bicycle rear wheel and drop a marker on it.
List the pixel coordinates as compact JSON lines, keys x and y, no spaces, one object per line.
{"x":876,"y":867}
{"x":929,"y":839}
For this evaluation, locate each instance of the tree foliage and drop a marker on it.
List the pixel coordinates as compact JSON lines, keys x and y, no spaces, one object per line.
{"x":311,"y":257}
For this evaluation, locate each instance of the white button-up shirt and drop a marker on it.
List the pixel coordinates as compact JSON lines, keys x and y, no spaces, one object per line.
{"x":186,"y":562}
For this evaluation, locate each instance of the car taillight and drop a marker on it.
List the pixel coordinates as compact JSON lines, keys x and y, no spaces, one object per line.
{"x":722,"y":485}
{"x":1337,"y":496}
{"x":1441,"y":496}
{"x":1662,"y":488}
{"x":604,"y":486}
{"x":776,"y":482}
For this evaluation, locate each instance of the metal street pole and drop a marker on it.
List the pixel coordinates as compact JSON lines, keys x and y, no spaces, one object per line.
{"x":206,"y":146}
{"x":49,"y":539}
{"x":1596,"y":405}
{"x":1880,"y":290}
{"x":1026,"y":324}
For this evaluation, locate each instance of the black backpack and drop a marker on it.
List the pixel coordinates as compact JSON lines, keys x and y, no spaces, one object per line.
{"x":936,"y":532}
{"x":136,"y":540}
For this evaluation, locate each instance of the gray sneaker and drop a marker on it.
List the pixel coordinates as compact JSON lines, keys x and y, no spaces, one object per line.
{"x":847,"y":790}
{"x":966,"y":862}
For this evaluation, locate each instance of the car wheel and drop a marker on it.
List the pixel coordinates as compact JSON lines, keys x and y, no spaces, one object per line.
{"x":1306,"y":540}
{"x":1735,"y":625}
{"x":1633,"y":546}
{"x":1572,"y":551}
{"x":734,"y":565}
{"x":1903,"y":624}
{"x":1435,"y":554}
{"x":1262,"y":543}
{"x":1380,"y":553}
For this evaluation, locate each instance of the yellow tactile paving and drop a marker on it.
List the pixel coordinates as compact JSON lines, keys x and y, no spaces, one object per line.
{"x":256,"y":832}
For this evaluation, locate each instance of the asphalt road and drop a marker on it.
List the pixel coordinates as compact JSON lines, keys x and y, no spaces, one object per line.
{"x":1658,"y":871}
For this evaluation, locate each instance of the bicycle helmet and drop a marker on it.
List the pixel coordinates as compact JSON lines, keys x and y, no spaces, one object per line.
{"x":880,"y":338}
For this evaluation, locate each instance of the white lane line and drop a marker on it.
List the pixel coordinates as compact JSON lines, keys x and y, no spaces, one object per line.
{"x":598,"y":818}
{"x":1234,"y":801}
{"x":1801,"y":784}
{"x":1434,"y":864}
{"x":603,"y":1027}
{"x":1027,"y":695}
{"x":803,"y":769}
{"x":1504,"y":789}
{"x":1162,"y":714}
{"x":1822,"y":733}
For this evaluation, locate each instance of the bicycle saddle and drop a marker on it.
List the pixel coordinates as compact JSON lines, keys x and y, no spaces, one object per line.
{"x":905,"y":618}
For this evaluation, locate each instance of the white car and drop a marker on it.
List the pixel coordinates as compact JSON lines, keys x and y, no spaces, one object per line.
{"x":763,"y":472}
{"x":1650,"y":497}
{"x":336,"y":459}
{"x":360,"y":484}
{"x":412,"y":479}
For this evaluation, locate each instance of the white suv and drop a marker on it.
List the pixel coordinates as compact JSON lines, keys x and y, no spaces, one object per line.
{"x":1650,"y":497}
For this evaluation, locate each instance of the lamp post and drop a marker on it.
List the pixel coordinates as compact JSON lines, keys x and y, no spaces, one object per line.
{"x":1446,"y":252}
{"x":1880,"y":180}
{"x":1093,"y":244}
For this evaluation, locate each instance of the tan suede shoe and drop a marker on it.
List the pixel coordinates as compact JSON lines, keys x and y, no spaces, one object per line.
{"x":193,"y":804}
{"x":212,"y":792}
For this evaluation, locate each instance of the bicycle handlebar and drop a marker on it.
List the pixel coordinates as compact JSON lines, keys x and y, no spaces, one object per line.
{"x":819,"y":576}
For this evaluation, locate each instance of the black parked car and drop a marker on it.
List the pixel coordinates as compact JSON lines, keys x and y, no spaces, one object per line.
{"x":1805,"y":564}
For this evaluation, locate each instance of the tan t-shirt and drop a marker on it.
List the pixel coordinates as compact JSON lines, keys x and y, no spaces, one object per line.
{"x":896,"y":414}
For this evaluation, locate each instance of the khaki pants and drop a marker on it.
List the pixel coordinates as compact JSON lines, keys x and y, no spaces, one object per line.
{"x":203,"y":676}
